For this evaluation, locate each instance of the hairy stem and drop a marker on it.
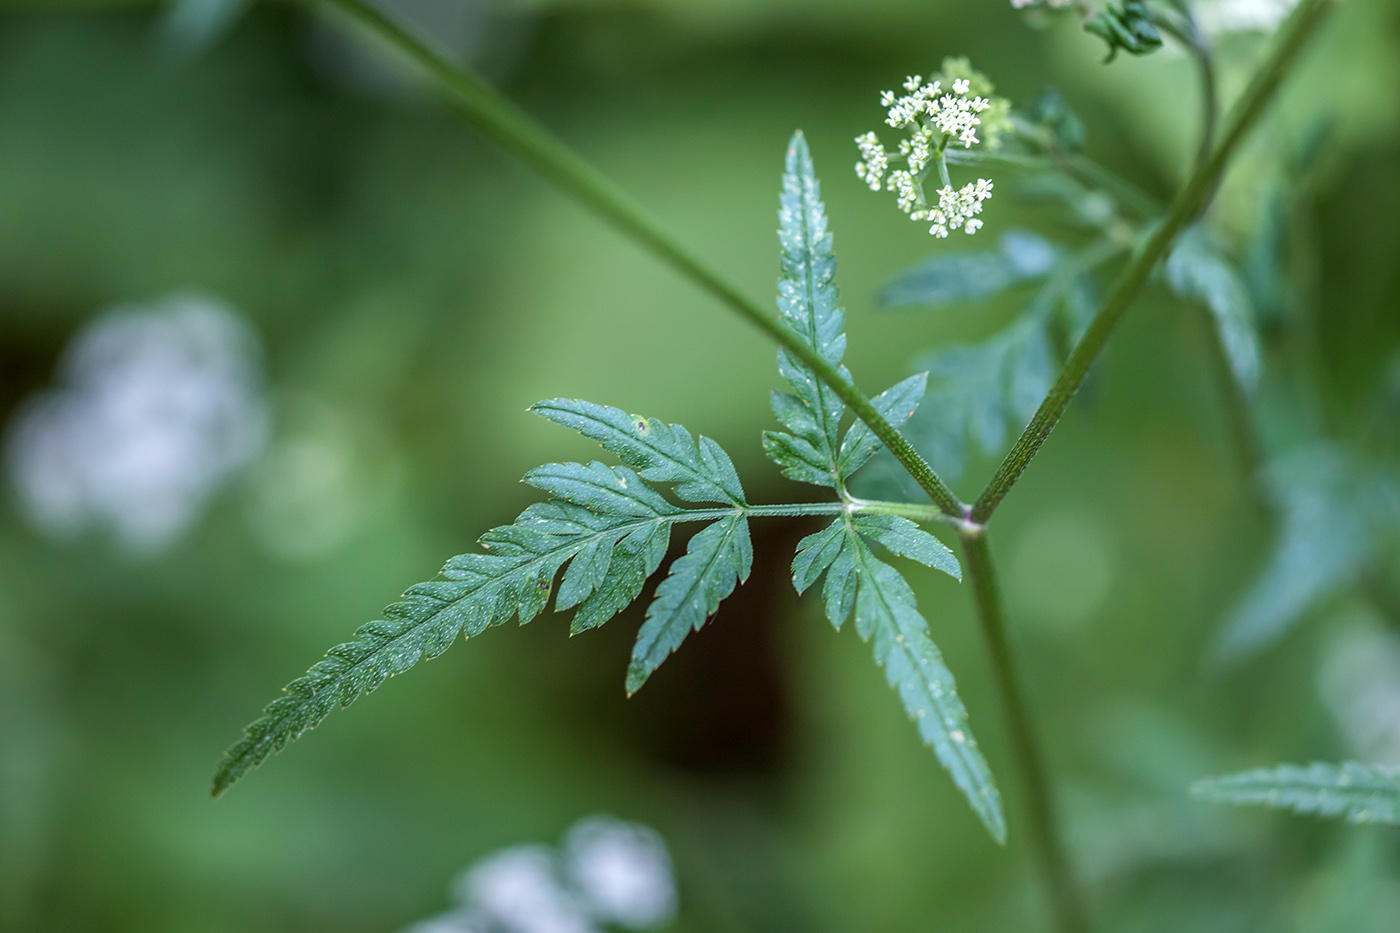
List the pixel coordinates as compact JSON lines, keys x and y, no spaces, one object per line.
{"x":519,"y":134}
{"x":1046,"y":837}
{"x":1187,"y":206}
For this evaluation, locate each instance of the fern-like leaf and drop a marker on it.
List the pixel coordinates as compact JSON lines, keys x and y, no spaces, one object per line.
{"x":1358,"y":793}
{"x":886,"y":613}
{"x":604,"y":522}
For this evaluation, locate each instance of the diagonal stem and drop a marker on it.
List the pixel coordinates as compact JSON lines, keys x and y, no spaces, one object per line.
{"x":519,"y":134}
{"x":1187,"y":206}
{"x":1045,"y":834}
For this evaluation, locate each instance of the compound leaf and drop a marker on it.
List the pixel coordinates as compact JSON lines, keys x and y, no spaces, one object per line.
{"x":717,"y":559}
{"x":887,"y":615}
{"x":1358,"y":793}
{"x":604,"y":522}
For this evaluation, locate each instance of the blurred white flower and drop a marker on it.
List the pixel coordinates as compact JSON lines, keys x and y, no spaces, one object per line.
{"x":520,"y":890}
{"x":623,"y":872}
{"x":1223,"y":16}
{"x":1360,"y":683}
{"x":607,"y":873}
{"x":156,"y":407}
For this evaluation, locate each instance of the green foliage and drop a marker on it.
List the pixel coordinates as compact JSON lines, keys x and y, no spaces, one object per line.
{"x":1065,"y":128}
{"x":1335,"y":516}
{"x":856,"y":580}
{"x":979,"y":392}
{"x":807,"y":302}
{"x":885,"y":611}
{"x":716,"y":560}
{"x":661,"y":452}
{"x":1358,"y":793}
{"x":605,"y":523}
{"x":608,"y":530}
{"x":951,"y":278}
{"x":1198,"y":271}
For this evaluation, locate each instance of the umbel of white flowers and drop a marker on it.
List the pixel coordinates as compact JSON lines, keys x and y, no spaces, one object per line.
{"x":949,"y":108}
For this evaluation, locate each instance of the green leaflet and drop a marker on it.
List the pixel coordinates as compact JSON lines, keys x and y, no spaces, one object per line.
{"x":661,"y":452}
{"x":897,"y":405}
{"x":1358,"y":793}
{"x":604,"y":522}
{"x":807,"y":302}
{"x":717,"y":559}
{"x":1197,"y":271}
{"x":1334,"y":514}
{"x":885,"y":612}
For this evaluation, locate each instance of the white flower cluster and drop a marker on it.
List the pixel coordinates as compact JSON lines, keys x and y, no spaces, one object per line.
{"x":935,"y":117}
{"x":1053,"y":4}
{"x":958,"y":208}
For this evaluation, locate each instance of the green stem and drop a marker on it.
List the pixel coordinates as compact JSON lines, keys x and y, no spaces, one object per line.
{"x":520,"y":135}
{"x":1294,"y":35}
{"x":1190,"y":37}
{"x":1046,"y":837}
{"x":852,"y":506}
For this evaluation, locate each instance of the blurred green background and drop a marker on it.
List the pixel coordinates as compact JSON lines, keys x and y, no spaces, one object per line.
{"x":413,"y":291}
